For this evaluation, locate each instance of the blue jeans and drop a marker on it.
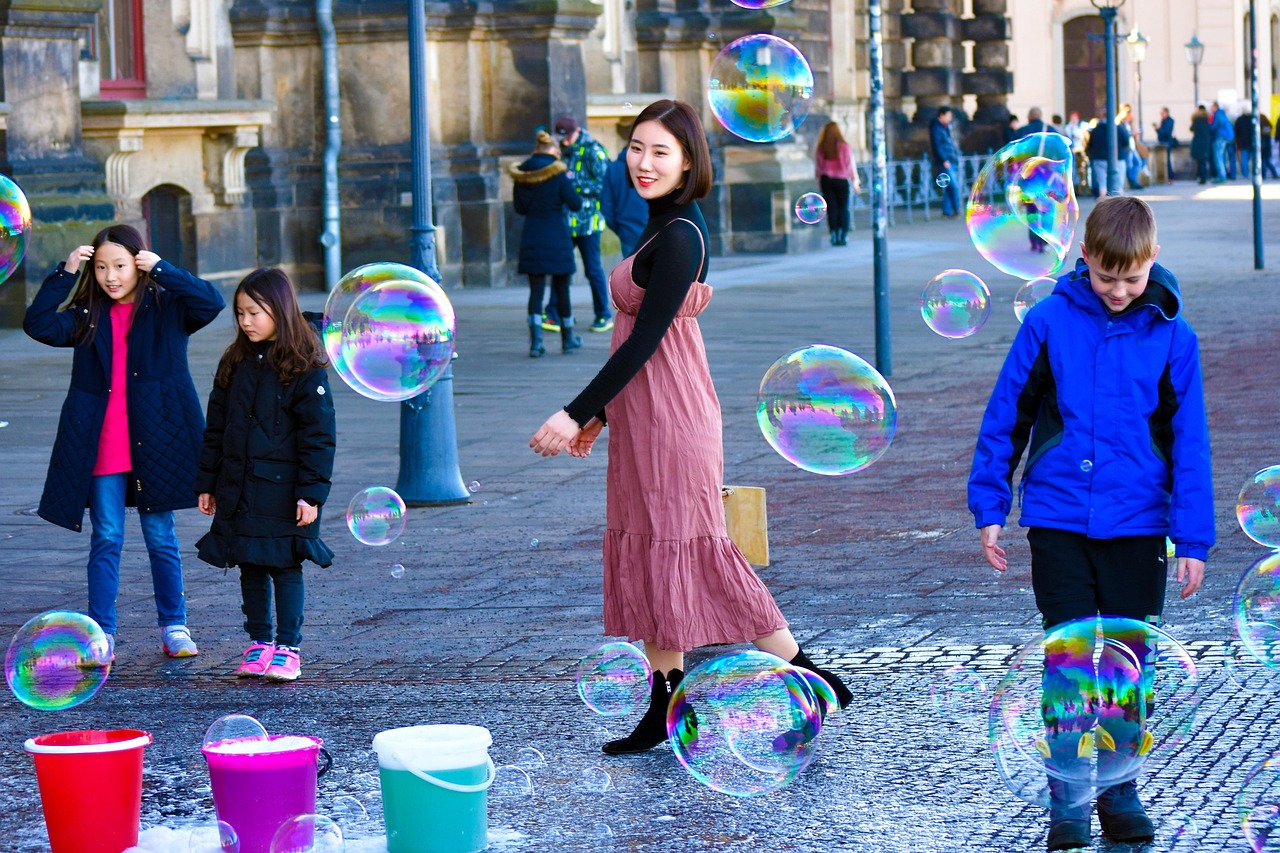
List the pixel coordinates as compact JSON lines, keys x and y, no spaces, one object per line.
{"x":589,"y":248}
{"x":106,"y":515}
{"x":950,"y":195}
{"x":1220,"y":161}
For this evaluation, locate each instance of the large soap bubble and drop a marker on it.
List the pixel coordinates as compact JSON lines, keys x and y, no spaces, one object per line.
{"x":760,"y":87}
{"x":389,"y":331}
{"x":955,"y":303}
{"x":1022,"y":208}
{"x":614,"y":678}
{"x":57,"y":660}
{"x":15,"y":226}
{"x":1258,"y":507}
{"x":376,"y":515}
{"x":826,"y":410}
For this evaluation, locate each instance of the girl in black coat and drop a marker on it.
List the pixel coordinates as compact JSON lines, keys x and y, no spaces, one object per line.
{"x":265,"y":467}
{"x":543,"y":193}
{"x":1202,"y":144}
{"x":129,"y":433}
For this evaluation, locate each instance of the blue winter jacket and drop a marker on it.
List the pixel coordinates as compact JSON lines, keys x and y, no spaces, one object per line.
{"x":624,"y":210}
{"x":1114,"y":412}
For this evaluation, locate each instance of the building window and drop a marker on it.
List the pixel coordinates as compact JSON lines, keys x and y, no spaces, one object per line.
{"x":1084,"y":66}
{"x":119,"y":45}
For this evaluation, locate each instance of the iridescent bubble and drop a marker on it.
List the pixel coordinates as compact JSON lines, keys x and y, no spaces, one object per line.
{"x":825,"y":410}
{"x":473,"y":486}
{"x":1092,"y":700}
{"x":1183,"y":832}
{"x":759,"y":4}
{"x":530,"y":758}
{"x":308,"y":833}
{"x":348,"y":811}
{"x":234,"y":727}
{"x":1031,"y":293}
{"x":15,"y":226}
{"x":1256,"y":609}
{"x":389,"y":331}
{"x":955,"y":303}
{"x":760,"y":87}
{"x":958,"y":693}
{"x":533,"y":543}
{"x":510,"y":783}
{"x":376,"y":515}
{"x":943,"y":180}
{"x":595,"y":779}
{"x":57,"y":660}
{"x":1024,"y":775}
{"x":1258,"y":805}
{"x":219,"y":837}
{"x":744,"y":723}
{"x":397,"y":571}
{"x":1247,"y":674}
{"x":613,"y":679}
{"x":1258,"y":507}
{"x":811,"y":208}
{"x":1022,"y":209}
{"x":823,"y":692}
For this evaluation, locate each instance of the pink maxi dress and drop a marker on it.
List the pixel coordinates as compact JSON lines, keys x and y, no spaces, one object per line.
{"x":672,"y":575}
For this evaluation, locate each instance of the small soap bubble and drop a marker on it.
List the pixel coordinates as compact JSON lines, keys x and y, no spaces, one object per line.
{"x":1258,"y":507}
{"x":530,"y":758}
{"x":57,"y":660}
{"x":510,"y":783}
{"x":308,"y":833}
{"x":602,"y":831}
{"x":473,"y":486}
{"x":347,"y":810}
{"x":759,"y":88}
{"x":958,"y":693}
{"x":943,"y":180}
{"x":955,"y":303}
{"x":811,"y":208}
{"x":15,"y":226}
{"x":219,"y":837}
{"x":1183,"y":831}
{"x":825,"y":410}
{"x":533,"y":543}
{"x":1031,"y":293}
{"x":613,"y":679}
{"x":627,"y":105}
{"x":397,"y":571}
{"x":234,"y":727}
{"x":759,"y":4}
{"x":595,"y":779}
{"x":376,"y":516}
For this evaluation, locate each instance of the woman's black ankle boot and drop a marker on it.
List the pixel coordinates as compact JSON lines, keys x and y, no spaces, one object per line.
{"x":652,"y":728}
{"x":843,"y":695}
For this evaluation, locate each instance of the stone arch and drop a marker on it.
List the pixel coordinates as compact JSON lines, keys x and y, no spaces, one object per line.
{"x":171,"y":225}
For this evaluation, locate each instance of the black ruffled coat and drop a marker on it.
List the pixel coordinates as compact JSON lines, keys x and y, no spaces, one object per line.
{"x":266,"y":447}
{"x":543,"y":194}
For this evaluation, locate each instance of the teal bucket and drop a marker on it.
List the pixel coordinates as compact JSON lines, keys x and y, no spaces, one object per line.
{"x":435,"y":788}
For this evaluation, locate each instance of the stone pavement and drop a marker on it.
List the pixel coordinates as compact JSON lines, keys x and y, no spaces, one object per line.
{"x":879,"y":573}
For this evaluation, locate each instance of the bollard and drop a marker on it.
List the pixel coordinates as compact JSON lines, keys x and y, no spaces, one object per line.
{"x":429,"y":473}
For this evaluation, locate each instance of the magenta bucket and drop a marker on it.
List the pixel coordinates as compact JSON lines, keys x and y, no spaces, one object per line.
{"x":257,"y":791}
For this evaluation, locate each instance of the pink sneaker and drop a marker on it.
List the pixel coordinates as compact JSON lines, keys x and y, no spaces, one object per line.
{"x":286,"y":665}
{"x":256,"y":660}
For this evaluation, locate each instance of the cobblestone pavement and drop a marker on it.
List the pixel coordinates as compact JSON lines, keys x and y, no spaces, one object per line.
{"x":879,"y":573}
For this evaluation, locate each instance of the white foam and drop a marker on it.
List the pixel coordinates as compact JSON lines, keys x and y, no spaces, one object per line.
{"x":249,"y":746}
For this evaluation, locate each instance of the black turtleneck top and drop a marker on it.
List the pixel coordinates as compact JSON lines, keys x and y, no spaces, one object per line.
{"x":672,"y":256}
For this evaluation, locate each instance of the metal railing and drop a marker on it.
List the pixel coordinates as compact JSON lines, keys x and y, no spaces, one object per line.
{"x":911,"y":188}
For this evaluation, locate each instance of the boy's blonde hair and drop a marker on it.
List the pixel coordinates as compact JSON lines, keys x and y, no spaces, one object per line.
{"x":1120,"y":233}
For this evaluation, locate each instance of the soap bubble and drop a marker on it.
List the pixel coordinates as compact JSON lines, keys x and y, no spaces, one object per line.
{"x":15,"y":226}
{"x":308,"y":833}
{"x":1022,"y":209}
{"x":828,"y":703}
{"x":613,"y":679}
{"x":1024,"y":775}
{"x":389,"y":331}
{"x":1256,"y":609}
{"x":397,"y":571}
{"x":744,"y":723}
{"x":533,"y":543}
{"x":1031,"y":293}
{"x":811,"y":208}
{"x":510,"y":783}
{"x":1247,"y":674}
{"x":955,"y":303}
{"x":759,"y":4}
{"x":825,"y":410}
{"x":595,"y":779}
{"x":348,"y":811}
{"x":1258,"y":805}
{"x":57,"y":660}
{"x":234,"y":727}
{"x":376,"y":515}
{"x":759,"y":88}
{"x":473,"y":486}
{"x":219,"y":837}
{"x":1183,"y":832}
{"x":1093,"y":699}
{"x":1258,"y":507}
{"x":943,"y":180}
{"x":958,"y":693}
{"x":530,"y":758}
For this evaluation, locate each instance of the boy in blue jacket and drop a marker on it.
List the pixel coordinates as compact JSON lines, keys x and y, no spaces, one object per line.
{"x":1103,"y":383}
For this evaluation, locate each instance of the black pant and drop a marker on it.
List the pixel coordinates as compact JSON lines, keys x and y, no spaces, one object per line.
{"x":836,"y":193}
{"x":1074,"y":576}
{"x":256,"y":583}
{"x":1204,"y":168}
{"x":559,"y":294}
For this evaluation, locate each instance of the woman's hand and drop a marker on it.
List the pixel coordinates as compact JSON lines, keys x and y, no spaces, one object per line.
{"x":78,"y":256}
{"x":146,"y":261}
{"x":580,"y":445}
{"x":307,"y":513}
{"x":207,"y":503}
{"x":555,"y":435}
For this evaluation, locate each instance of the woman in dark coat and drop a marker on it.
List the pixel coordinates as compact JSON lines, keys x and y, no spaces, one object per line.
{"x":1202,"y":144}
{"x":543,"y":194}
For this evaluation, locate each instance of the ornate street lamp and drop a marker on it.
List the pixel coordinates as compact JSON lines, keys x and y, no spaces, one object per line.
{"x":1137,"y":44}
{"x":1195,"y":53}
{"x":1108,"y":9}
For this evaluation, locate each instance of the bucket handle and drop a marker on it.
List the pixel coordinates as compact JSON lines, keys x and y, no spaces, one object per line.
{"x":454,"y":786}
{"x":323,"y":768}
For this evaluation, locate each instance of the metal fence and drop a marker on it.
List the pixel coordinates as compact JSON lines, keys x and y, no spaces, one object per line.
{"x":911,"y":189}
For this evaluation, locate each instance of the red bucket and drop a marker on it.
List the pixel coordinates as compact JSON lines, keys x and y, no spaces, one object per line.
{"x":90,"y":788}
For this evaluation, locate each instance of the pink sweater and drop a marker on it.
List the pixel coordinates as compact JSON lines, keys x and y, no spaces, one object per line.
{"x":113,"y":441}
{"x":840,"y":167}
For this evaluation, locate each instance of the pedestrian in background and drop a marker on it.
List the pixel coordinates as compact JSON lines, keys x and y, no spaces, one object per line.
{"x":587,"y":163}
{"x":1224,"y":135}
{"x":624,"y":211}
{"x":836,"y":175}
{"x":1202,"y":136}
{"x":543,"y":195}
{"x":672,"y":576}
{"x":1268,"y":167}
{"x":265,"y":467}
{"x":1097,"y":151}
{"x":129,"y":433}
{"x":1164,"y":135}
{"x":946,"y":161}
{"x":1243,"y":154}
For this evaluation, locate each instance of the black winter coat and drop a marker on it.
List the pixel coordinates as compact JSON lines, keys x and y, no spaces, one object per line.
{"x":542,"y":195}
{"x":266,"y":447}
{"x":165,"y":421}
{"x":1201,"y":137}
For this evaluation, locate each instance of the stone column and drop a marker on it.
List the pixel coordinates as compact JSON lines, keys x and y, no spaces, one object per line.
{"x":937,"y":57}
{"x":991,"y":81}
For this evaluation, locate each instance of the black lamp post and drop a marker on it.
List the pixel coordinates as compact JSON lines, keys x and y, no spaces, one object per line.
{"x":1137,"y":44}
{"x":1107,"y":9}
{"x":1195,"y":53}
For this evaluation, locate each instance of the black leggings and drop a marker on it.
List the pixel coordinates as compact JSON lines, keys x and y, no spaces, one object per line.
{"x":256,"y":584}
{"x":1074,"y":576}
{"x":560,"y":288}
{"x":836,"y":192}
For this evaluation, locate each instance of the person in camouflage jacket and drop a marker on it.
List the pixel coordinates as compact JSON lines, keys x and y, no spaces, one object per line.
{"x":587,"y":161}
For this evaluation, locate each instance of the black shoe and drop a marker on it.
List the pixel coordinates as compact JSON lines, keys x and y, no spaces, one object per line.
{"x":1069,"y":835}
{"x":536,"y":349}
{"x":1122,"y":816}
{"x":569,"y":342}
{"x":843,"y":695}
{"x":652,"y":728}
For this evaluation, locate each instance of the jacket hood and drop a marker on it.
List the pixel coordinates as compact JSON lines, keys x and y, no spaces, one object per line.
{"x":537,"y":169}
{"x":1162,"y":293}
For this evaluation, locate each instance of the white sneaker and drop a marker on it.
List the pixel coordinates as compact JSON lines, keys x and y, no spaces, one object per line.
{"x":177,"y":642}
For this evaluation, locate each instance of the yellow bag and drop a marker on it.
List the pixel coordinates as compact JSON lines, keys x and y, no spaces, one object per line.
{"x":747,"y":521}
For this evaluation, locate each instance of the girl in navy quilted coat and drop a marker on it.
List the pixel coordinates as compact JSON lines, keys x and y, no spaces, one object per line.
{"x":129,"y":433}
{"x":265,"y":467}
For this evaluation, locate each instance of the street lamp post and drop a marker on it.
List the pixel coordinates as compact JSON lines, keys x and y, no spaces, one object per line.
{"x":1137,"y":44}
{"x":1195,"y":53}
{"x":1108,"y":9}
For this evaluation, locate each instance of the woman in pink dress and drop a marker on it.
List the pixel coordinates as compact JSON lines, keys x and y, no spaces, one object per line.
{"x":672,"y":576}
